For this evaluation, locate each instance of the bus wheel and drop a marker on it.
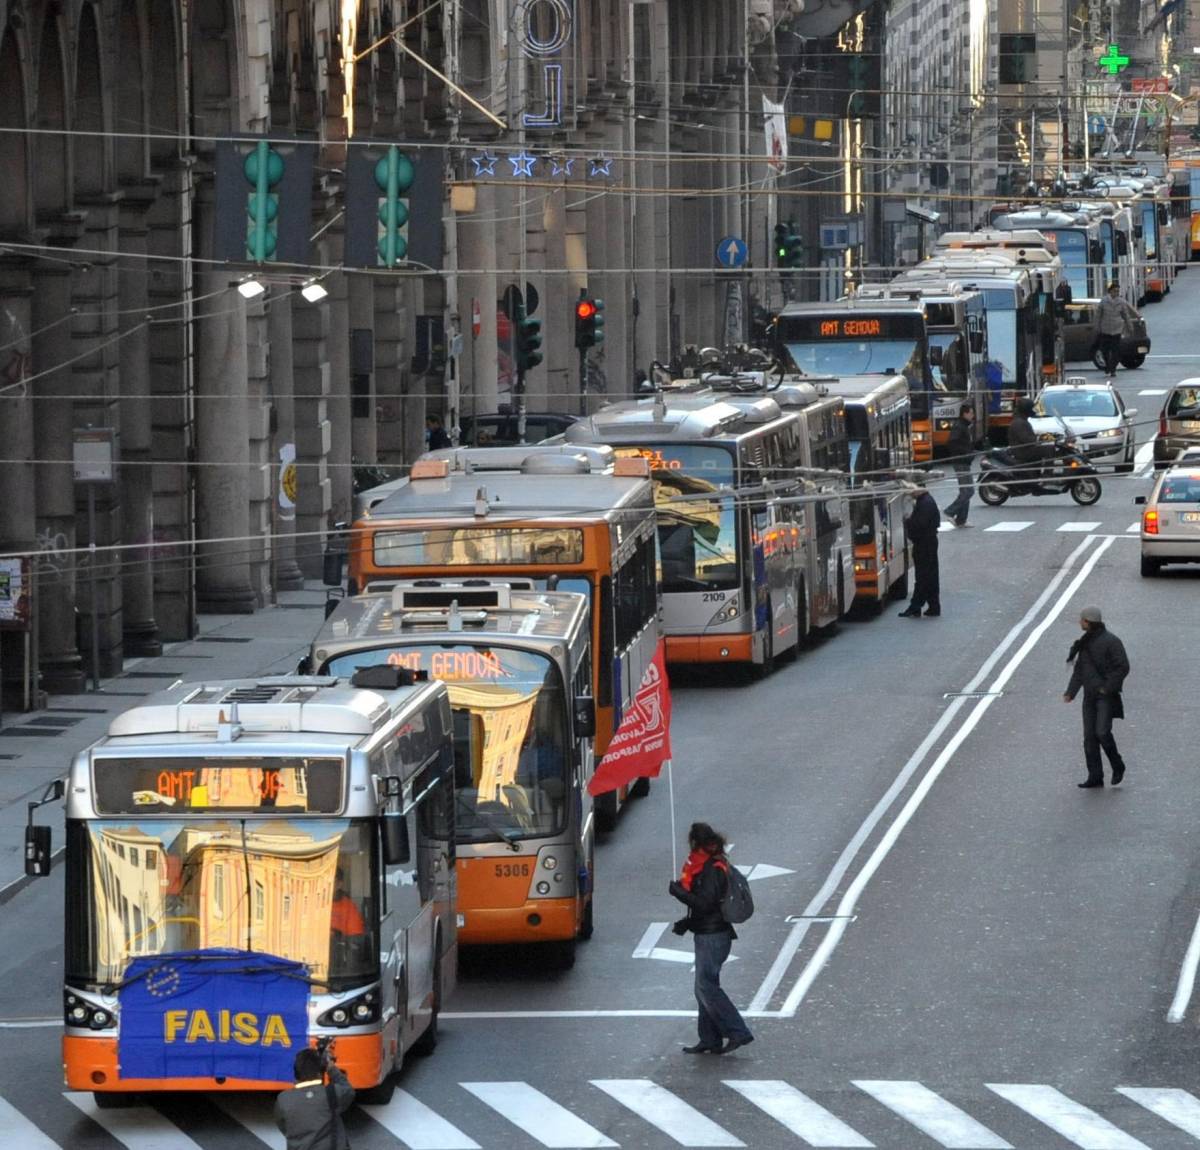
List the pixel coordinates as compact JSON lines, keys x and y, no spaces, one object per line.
{"x":562,"y":954}
{"x":764,"y":669}
{"x":803,"y":633}
{"x":109,"y":1100}
{"x":899,"y":589}
{"x":1133,"y":361}
{"x":605,"y":807}
{"x":587,"y":925}
{"x":381,"y":1095}
{"x":640,"y":787}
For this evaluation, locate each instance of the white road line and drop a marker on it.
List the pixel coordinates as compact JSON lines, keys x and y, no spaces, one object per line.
{"x":779,"y":968}
{"x":650,"y":939}
{"x":1153,"y":391}
{"x":135,"y":1127}
{"x":1175,"y":1106}
{"x":418,"y":1127}
{"x":945,"y":526}
{"x":543,"y":1119}
{"x":1076,"y":1123}
{"x":462,"y":1015}
{"x":1083,"y":527}
{"x":31,"y":1024}
{"x":19,"y":1131}
{"x":1187,"y":978}
{"x":1143,"y":461}
{"x":674,"y":1117}
{"x":1010,"y":525}
{"x":944,"y":1122}
{"x":1134,"y":528}
{"x":799,"y":1113}
{"x":253,"y":1113}
{"x":849,"y":901}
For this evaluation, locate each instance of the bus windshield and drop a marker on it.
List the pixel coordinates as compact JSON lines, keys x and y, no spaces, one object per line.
{"x":1073,"y":248}
{"x":859,"y":357}
{"x":301,"y":889}
{"x":1001,"y":336}
{"x":512,"y":766}
{"x":697,"y":536}
{"x":1149,"y":229}
{"x":951,"y":373}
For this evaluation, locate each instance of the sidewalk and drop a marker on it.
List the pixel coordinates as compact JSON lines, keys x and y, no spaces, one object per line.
{"x":36,"y":748}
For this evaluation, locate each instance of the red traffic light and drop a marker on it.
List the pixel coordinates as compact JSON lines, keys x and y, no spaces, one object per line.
{"x":585,"y":309}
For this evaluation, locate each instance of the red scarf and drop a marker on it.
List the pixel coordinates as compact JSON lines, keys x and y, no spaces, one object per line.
{"x":694,"y":864}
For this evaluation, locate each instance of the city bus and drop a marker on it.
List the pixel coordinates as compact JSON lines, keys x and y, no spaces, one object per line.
{"x":956,"y":324}
{"x":872,"y":337}
{"x":735,"y":566}
{"x":569,"y":521}
{"x":517,"y":664}
{"x":879,"y":430}
{"x":1013,"y":301}
{"x":251,"y":865}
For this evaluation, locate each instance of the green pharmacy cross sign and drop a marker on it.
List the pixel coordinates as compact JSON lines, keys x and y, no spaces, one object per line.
{"x":1113,"y":60}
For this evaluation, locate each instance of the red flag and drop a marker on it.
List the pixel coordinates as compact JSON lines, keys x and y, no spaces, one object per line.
{"x":643,"y":741}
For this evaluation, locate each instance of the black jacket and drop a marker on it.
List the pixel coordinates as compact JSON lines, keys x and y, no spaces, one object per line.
{"x":1023,"y":441}
{"x":1100,"y":663}
{"x":306,"y":1119}
{"x":922,"y":521}
{"x":704,"y":899}
{"x":961,"y":444}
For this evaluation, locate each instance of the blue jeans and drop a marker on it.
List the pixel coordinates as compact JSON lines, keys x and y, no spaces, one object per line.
{"x":719,"y":1018}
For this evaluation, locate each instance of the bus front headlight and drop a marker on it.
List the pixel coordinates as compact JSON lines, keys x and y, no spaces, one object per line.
{"x":728,"y":610}
{"x":357,"y":1011}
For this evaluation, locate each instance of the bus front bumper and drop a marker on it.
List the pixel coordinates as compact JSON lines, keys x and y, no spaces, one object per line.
{"x":91,"y":1064}
{"x":710,"y":648}
{"x":535,"y":920}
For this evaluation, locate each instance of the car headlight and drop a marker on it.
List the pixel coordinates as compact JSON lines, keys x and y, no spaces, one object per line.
{"x":919,"y":436}
{"x":1110,"y":433}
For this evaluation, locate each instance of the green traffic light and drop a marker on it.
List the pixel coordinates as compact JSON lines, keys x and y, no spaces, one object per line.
{"x":394,"y":174}
{"x":262,"y":167}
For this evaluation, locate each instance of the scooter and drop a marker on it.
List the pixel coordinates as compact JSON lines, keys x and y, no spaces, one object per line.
{"x":1002,"y":478}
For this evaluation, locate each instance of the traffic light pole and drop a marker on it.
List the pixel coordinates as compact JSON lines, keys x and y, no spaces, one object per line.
{"x":583,"y":382}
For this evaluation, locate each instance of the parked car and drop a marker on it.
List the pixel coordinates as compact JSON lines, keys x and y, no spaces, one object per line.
{"x":1179,"y":423}
{"x":1171,"y":516}
{"x":500,"y":429}
{"x":1094,"y":415}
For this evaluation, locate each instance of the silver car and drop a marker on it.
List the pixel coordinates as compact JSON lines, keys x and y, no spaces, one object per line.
{"x":1095,"y":415}
{"x":1171,"y":516}
{"x":1179,"y":423}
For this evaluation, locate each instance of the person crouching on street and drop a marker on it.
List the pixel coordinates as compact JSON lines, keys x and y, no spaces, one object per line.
{"x":701,"y":887}
{"x":309,"y":1116}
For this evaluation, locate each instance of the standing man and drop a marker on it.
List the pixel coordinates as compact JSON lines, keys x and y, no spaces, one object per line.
{"x":921,"y":527}
{"x":1112,"y":317}
{"x":1100,"y":669}
{"x":701,"y":888}
{"x":309,"y":1115}
{"x":435,"y":434}
{"x":961,"y":447}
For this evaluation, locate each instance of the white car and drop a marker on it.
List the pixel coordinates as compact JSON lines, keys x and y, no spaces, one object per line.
{"x":1095,"y":415}
{"x":1171,"y":516}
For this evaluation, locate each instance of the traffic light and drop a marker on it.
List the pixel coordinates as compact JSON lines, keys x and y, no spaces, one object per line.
{"x":782,"y":233}
{"x":789,"y":247}
{"x":394,"y":174}
{"x":529,"y":341}
{"x":589,"y":321}
{"x":264,"y":201}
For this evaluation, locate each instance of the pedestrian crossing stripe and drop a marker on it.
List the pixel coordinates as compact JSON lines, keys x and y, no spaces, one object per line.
{"x":546,"y":1122}
{"x":1083,"y":528}
{"x":1010,"y":525}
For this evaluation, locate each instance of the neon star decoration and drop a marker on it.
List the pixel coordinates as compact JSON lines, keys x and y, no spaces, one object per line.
{"x":561,"y":167}
{"x":522,"y":163}
{"x":485,"y":165}
{"x":600,"y":166}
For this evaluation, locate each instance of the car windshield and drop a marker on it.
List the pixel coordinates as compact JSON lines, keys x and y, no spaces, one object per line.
{"x":697,"y":532}
{"x":1184,"y":401}
{"x":1180,"y":488}
{"x":301,"y":889}
{"x":1097,"y":404}
{"x":859,"y":357}
{"x":512,"y":765}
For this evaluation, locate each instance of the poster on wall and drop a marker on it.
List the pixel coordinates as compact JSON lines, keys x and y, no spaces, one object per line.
{"x":14,"y":594}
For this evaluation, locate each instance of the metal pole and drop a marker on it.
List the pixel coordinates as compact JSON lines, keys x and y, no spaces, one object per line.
{"x":583,"y":382}
{"x":94,"y":586}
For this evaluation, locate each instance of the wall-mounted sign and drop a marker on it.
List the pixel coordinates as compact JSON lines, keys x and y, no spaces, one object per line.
{"x":545,"y":31}
{"x":15,"y":588}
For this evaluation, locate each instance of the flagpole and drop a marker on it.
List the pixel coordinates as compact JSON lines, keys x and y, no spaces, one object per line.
{"x":671,"y":797}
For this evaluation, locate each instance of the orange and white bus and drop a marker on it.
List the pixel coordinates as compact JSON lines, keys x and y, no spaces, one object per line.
{"x":518,"y":667}
{"x":252,"y":865}
{"x":547,"y":519}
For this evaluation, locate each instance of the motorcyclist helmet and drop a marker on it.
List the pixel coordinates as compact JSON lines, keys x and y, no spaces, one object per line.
{"x":1026,"y":406}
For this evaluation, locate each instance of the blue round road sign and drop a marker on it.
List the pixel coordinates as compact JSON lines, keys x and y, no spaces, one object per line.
{"x":732,"y":252}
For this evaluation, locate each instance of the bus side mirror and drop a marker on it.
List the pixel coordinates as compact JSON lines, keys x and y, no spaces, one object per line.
{"x":37,"y":839}
{"x":585,"y":716}
{"x":976,"y":338}
{"x":396,"y":850}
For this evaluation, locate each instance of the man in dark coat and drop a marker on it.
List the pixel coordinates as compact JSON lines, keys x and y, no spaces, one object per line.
{"x":1100,"y":667}
{"x":921,"y":526}
{"x":961,"y":451}
{"x":310,"y":1114}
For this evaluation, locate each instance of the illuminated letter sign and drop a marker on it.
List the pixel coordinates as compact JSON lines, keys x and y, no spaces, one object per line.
{"x":546,"y":48}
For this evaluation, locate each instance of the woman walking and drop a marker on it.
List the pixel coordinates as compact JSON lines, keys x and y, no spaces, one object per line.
{"x":701,"y":888}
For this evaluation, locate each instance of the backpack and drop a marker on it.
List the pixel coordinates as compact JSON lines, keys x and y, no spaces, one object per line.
{"x":737,"y":903}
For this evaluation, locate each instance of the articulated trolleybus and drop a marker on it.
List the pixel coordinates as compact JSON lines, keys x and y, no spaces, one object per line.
{"x":252,"y":865}
{"x":518,"y":666}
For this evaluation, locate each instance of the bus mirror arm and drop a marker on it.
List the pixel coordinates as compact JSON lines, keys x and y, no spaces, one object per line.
{"x":37,"y":838}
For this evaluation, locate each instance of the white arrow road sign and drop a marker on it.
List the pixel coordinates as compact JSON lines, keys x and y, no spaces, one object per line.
{"x":647,"y":949}
{"x":755,"y":871}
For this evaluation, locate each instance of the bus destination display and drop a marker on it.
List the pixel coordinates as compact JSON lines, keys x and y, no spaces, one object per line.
{"x":160,"y":785}
{"x":796,"y":327}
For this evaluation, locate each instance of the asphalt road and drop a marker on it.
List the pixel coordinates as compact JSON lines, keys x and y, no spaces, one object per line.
{"x":954,"y":946}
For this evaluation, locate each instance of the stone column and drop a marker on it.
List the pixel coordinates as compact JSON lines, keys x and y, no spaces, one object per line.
{"x":477,"y":254}
{"x":310,"y":371}
{"x":391,"y":329}
{"x":261,"y":486}
{"x":288,"y":576}
{"x":136,"y":476}
{"x":338,"y":349}
{"x":364,"y":446}
{"x":557,"y":308}
{"x":58,"y":654}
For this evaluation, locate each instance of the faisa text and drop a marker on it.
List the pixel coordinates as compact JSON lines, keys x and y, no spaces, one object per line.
{"x":242,"y":1027}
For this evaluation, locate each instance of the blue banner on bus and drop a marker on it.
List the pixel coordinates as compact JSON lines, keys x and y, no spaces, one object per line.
{"x":212,"y":1013}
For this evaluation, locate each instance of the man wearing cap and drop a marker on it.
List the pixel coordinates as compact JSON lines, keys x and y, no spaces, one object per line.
{"x":921,"y":525}
{"x":1100,"y":667}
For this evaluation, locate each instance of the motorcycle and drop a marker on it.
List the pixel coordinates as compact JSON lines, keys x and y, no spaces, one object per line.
{"x":1002,"y":478}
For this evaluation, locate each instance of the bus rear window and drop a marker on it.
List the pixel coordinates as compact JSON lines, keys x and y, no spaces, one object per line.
{"x":478,"y":546}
